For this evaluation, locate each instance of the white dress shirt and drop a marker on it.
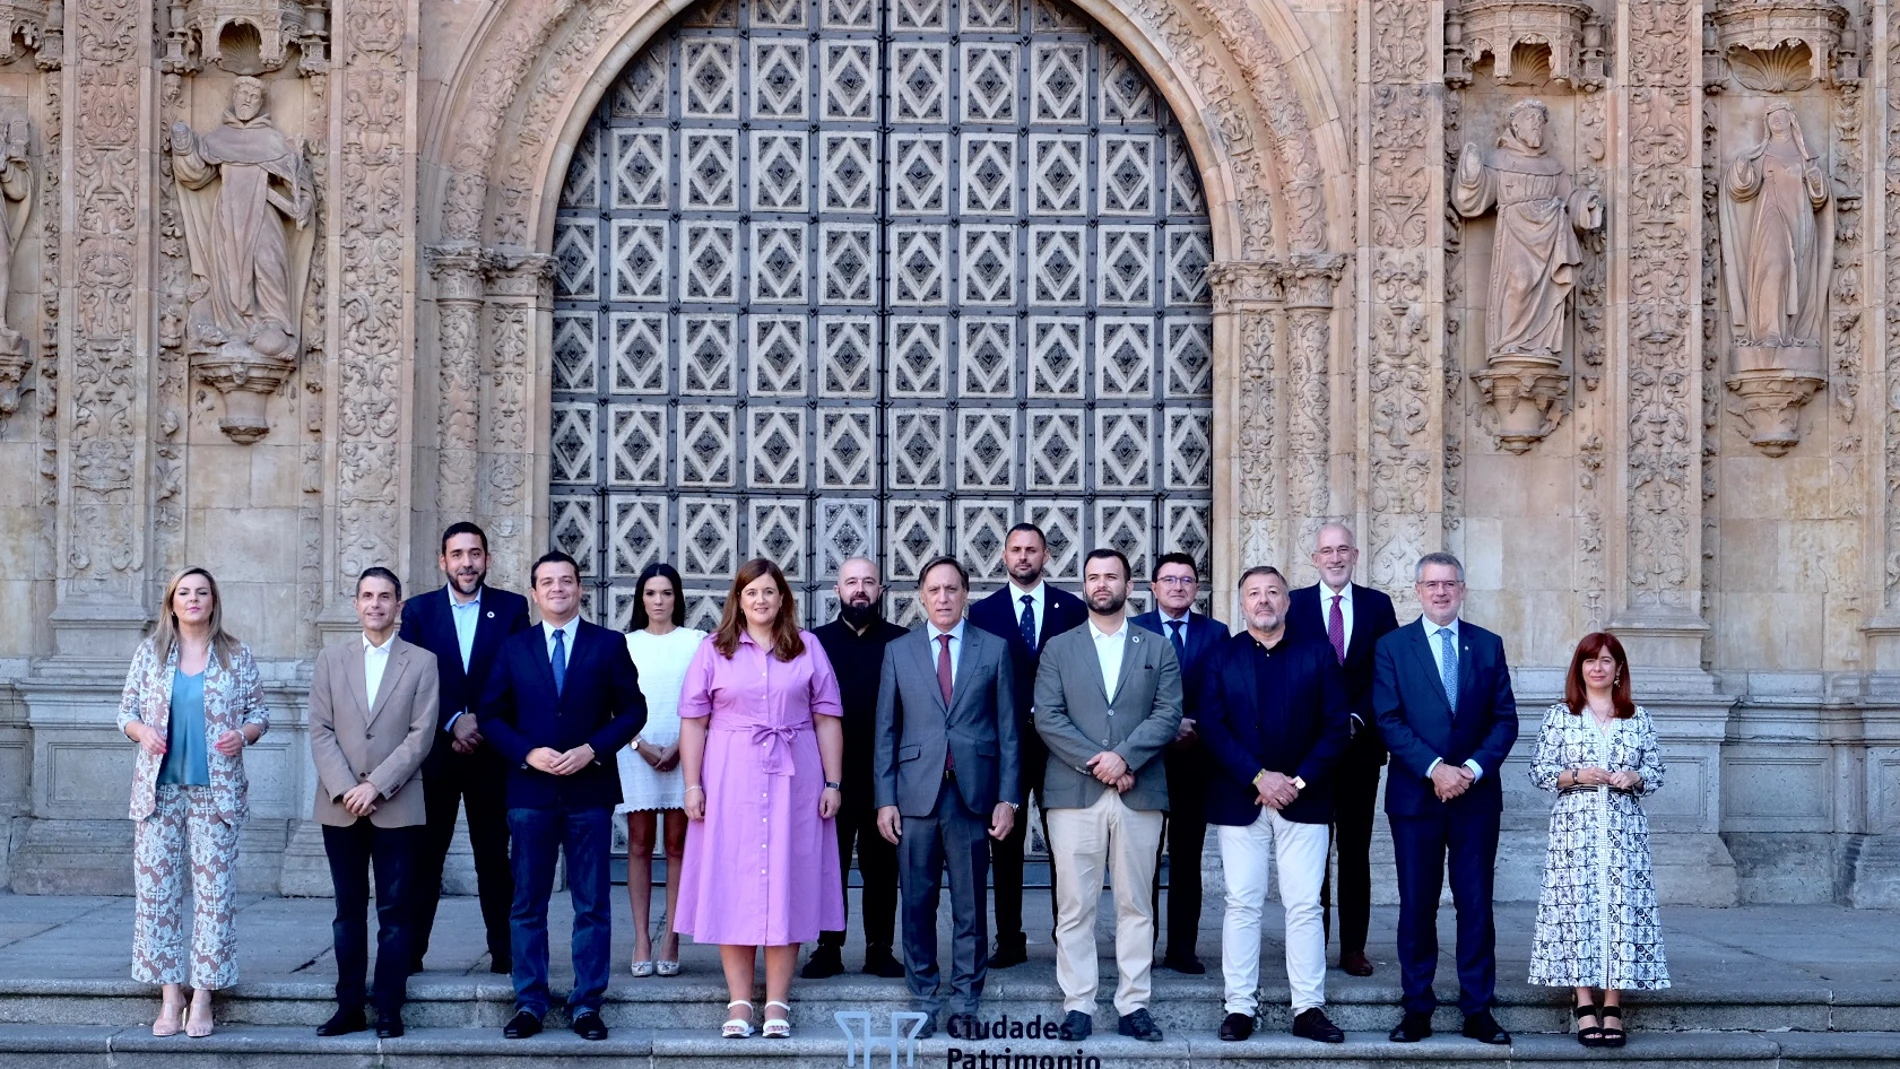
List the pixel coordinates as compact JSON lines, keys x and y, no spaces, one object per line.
{"x":1038,"y":601}
{"x":572,"y":628}
{"x":956,"y":646}
{"x":1326,"y":595}
{"x":375,"y":659}
{"x":1108,"y":652}
{"x":1437,"y":646}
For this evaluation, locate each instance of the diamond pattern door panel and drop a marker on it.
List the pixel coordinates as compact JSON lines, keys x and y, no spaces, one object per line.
{"x":878,"y":277}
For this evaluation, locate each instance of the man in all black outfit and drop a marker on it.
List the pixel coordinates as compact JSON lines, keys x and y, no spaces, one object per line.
{"x":854,"y":643}
{"x":463,"y":624}
{"x":1350,"y":619}
{"x":1027,"y":614}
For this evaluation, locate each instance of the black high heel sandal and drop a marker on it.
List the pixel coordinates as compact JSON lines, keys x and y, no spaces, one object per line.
{"x":1593,"y":1035}
{"x":1613,"y":1037}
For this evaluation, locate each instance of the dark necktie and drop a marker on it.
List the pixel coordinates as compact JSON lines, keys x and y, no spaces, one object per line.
{"x":1336,"y":629}
{"x":558,"y":661}
{"x":1028,"y":621}
{"x":1175,"y":627}
{"x":1448,"y":668}
{"x":943,"y":684}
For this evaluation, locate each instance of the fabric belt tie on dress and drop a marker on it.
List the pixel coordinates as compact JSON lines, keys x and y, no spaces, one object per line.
{"x":776,"y":742}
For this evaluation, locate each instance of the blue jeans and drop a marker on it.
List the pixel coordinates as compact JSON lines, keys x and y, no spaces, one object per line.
{"x":538,"y":836}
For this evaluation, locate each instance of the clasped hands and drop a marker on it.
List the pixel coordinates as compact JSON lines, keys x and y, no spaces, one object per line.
{"x":556,"y":763}
{"x":1276,"y":790}
{"x":466,"y":733}
{"x":1109,"y":767}
{"x":1592,"y":776}
{"x":360,"y":800}
{"x":661,"y":758}
{"x":1449,"y":780}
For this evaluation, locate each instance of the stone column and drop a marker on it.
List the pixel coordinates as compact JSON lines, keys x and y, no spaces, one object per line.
{"x":1312,"y":419}
{"x":1656,"y":317}
{"x":1249,"y":319}
{"x":459,"y":272}
{"x":1401,"y":285}
{"x":512,"y":490}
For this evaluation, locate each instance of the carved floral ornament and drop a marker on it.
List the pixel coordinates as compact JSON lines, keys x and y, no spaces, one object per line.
{"x":196,"y":31}
{"x":1779,"y":46}
{"x":1530,"y":42}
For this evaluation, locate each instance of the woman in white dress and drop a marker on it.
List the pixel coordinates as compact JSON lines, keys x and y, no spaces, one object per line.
{"x":1597,"y":925}
{"x":651,"y":788}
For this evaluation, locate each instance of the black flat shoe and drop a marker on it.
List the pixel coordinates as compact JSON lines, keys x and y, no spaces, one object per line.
{"x":1190,"y":966}
{"x":342,"y":1023}
{"x":825,"y":962}
{"x":1009,"y":952}
{"x":523,"y":1025}
{"x":882,"y":963}
{"x":1484,"y":1028}
{"x":589,"y":1026}
{"x":1236,"y":1027}
{"x":1591,"y":1036}
{"x":1139,"y":1026}
{"x":1411,"y":1028}
{"x":389,"y":1025}
{"x":501,"y":966}
{"x":1315,"y":1025}
{"x":1613,"y":1037}
{"x":1076,"y":1026}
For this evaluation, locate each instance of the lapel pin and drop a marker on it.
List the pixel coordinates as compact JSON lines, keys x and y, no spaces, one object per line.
{"x":491,"y":614}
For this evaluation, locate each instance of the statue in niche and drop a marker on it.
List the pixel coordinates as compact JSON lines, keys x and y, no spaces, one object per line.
{"x":1775,"y":240}
{"x":1535,"y":258}
{"x":247,"y":202}
{"x":16,"y":188}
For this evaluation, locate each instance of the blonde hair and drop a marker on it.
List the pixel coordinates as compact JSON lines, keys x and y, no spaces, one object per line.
{"x":165,"y":631}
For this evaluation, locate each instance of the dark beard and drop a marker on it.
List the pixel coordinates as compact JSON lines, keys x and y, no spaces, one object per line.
{"x":858,"y":617}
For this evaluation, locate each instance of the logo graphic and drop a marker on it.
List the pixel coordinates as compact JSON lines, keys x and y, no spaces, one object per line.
{"x":898,"y":1041}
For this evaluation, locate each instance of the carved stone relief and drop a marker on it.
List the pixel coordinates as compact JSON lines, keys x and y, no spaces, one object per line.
{"x":1530,"y":42}
{"x":1777,"y":46}
{"x":200,"y":27}
{"x":1776,"y":244}
{"x":246,"y":201}
{"x":1534,"y":263}
{"x":16,"y":184}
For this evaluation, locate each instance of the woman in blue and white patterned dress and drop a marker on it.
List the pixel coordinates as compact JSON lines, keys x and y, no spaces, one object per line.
{"x":1597,"y":924}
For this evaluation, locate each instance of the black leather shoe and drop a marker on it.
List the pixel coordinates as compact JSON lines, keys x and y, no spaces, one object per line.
{"x":1313,"y":1024}
{"x":1010,"y":950}
{"x":928,"y":1028}
{"x":1141,"y":1026}
{"x":1355,"y":963}
{"x":879,"y":962}
{"x":589,"y":1026}
{"x":522,"y":1025}
{"x":342,"y":1023}
{"x":825,"y":962}
{"x":1484,"y":1028}
{"x":1236,"y":1027}
{"x":389,"y":1024}
{"x":502,"y":966}
{"x":1411,"y":1028}
{"x":415,"y":966}
{"x":1190,"y":966}
{"x":1076,"y":1026}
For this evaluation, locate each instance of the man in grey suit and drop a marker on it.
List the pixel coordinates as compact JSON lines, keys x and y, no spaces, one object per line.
{"x":945,"y":774}
{"x":1108,"y":702}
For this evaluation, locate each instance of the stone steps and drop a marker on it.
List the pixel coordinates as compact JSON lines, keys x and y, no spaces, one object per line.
{"x":44,"y":1047}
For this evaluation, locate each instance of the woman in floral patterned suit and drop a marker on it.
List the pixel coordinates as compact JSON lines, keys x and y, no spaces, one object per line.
{"x":1597,"y":926}
{"x":192,"y":704}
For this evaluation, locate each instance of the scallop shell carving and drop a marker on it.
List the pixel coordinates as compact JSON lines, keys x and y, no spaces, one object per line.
{"x":1787,"y":68}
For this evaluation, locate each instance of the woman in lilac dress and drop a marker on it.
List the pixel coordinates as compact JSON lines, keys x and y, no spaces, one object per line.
{"x":762,"y":750}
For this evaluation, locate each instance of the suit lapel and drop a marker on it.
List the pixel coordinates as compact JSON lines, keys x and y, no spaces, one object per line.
{"x":1467,"y":673}
{"x":541,"y":655}
{"x":355,"y":678}
{"x":967,"y":663}
{"x":445,"y":635}
{"x":926,"y":654}
{"x":1050,"y":609}
{"x":1133,"y":648}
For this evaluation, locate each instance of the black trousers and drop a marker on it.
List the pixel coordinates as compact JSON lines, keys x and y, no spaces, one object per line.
{"x":1006,"y":855}
{"x":1354,"y":801}
{"x":1185,"y":837}
{"x":877,"y":867}
{"x":478,"y":780}
{"x":1459,"y":841}
{"x":952,"y":843}
{"x":352,"y":852}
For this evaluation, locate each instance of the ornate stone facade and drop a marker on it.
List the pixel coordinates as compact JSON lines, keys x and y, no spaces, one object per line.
{"x":291,"y":341}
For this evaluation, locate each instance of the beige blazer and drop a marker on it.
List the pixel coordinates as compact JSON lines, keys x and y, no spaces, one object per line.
{"x":384,"y":745}
{"x":234,"y":697}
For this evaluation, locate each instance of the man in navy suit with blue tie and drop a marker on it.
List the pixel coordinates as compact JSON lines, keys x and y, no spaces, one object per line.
{"x":562,"y":700}
{"x":1442,"y":692}
{"x":1175,"y":584}
{"x":1027,"y":614}
{"x":1350,"y":620}
{"x":464,"y":624}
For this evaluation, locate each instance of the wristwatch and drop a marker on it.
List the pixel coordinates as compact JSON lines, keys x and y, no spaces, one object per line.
{"x":1014,"y":807}
{"x":1299,"y":784}
{"x":830,"y":785}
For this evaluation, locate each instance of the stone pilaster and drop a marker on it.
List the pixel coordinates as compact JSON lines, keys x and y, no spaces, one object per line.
{"x":512,"y":492}
{"x":1312,"y":417}
{"x":1249,"y":407}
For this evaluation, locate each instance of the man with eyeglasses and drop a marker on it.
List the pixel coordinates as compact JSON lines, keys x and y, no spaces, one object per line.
{"x":1442,"y":693}
{"x":1175,"y":584}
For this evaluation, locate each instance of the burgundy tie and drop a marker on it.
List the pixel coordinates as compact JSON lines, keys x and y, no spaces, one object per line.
{"x":1336,"y":629}
{"x":943,"y":684}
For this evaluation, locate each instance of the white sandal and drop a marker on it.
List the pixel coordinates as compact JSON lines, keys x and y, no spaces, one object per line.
{"x":778,"y":1027}
{"x":738,"y":1027}
{"x":642,"y":969}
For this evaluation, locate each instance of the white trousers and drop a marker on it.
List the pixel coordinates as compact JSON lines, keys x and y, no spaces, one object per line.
{"x":1300,"y":851}
{"x":1126,"y":842}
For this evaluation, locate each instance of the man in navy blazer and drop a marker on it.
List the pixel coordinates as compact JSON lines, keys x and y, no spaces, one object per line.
{"x":1350,"y":620}
{"x":1175,"y":584}
{"x":1442,"y":693}
{"x":1274,"y":715}
{"x":562,"y":700}
{"x":1027,"y":614}
{"x":463,"y":624}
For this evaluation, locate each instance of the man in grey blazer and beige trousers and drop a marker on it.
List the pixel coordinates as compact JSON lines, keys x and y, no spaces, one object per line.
{"x":373,"y":704}
{"x":944,"y":774}
{"x":1108,"y":701}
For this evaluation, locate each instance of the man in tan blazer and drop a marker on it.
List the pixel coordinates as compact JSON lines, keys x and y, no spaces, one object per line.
{"x":372,"y":717}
